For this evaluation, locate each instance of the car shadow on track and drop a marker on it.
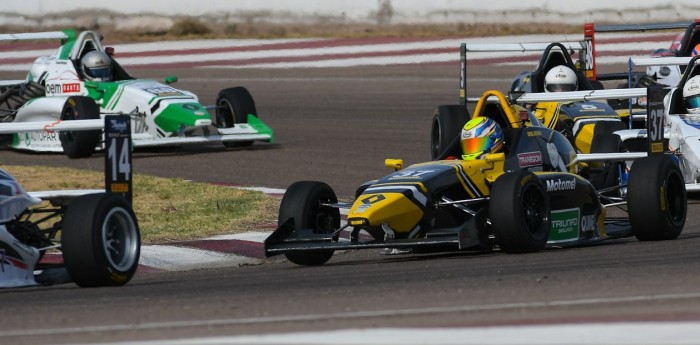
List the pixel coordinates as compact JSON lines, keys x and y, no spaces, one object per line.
{"x":174,"y":151}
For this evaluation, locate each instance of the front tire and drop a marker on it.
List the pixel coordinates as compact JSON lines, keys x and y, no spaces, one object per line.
{"x":519,"y":210}
{"x":448,"y":121}
{"x":80,"y":144}
{"x":233,"y":107}
{"x":656,"y":199}
{"x":303,"y":201}
{"x":100,"y":239}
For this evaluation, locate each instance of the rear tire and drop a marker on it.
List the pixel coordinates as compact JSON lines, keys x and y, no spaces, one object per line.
{"x":80,"y":144}
{"x":656,"y":199}
{"x":520,"y":212}
{"x":100,"y":240}
{"x":448,"y":121}
{"x":233,"y":107}
{"x":302,"y":201}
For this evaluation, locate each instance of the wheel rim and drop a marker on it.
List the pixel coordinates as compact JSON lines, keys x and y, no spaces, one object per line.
{"x":533,"y":209}
{"x":325,"y":219}
{"x":324,"y":222}
{"x":225,"y":114}
{"x":120,"y":237}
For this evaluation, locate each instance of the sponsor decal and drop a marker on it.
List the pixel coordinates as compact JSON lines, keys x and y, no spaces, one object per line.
{"x":362,"y":208}
{"x":42,"y":136}
{"x":588,"y":107}
{"x":565,"y":225}
{"x":410,"y":174}
{"x":119,"y":126}
{"x":71,"y":87}
{"x":534,"y":133}
{"x":119,"y":188}
{"x":358,"y":222}
{"x":558,"y":184}
{"x":163,"y":91}
{"x":529,"y":159}
{"x":588,"y":223}
{"x":59,"y":88}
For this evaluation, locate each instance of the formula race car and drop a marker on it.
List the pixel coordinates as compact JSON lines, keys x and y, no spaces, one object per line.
{"x":89,"y":237}
{"x":683,"y":124}
{"x":520,"y":200}
{"x":96,"y":233}
{"x":82,"y":80}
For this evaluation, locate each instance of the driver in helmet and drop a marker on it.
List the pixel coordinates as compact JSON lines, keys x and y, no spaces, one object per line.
{"x":560,"y":78}
{"x":480,"y":136}
{"x":96,"y":66}
{"x":691,"y":95}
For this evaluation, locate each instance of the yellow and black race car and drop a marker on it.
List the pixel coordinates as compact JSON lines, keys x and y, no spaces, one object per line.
{"x":520,"y":200}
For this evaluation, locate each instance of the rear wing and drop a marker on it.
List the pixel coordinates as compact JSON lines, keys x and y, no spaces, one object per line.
{"x":72,"y":125}
{"x":117,"y":141}
{"x":48,"y":35}
{"x":585,"y":48}
{"x":85,"y":41}
{"x":655,"y":111}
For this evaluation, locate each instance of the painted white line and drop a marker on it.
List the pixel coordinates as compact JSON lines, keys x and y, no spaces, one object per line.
{"x":253,"y":236}
{"x":321,"y":52}
{"x":173,"y":258}
{"x":640,"y":333}
{"x":348,"y":315}
{"x":264,"y":190}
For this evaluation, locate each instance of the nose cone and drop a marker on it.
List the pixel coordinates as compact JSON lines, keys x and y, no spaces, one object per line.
{"x":176,"y":115}
{"x":394,"y":209}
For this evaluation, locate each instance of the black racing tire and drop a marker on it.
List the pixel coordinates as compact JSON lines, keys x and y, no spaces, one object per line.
{"x":519,"y":210}
{"x":233,"y":106}
{"x":448,"y":121}
{"x":302,"y":201}
{"x":80,"y":144}
{"x":608,"y":173}
{"x":656,"y":199}
{"x":100,"y":240}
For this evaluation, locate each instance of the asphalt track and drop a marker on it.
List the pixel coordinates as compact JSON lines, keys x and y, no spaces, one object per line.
{"x":337,"y":125}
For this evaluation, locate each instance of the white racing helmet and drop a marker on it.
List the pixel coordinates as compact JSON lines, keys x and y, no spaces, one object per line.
{"x":691,"y":95}
{"x":97,"y":66}
{"x":560,"y":78}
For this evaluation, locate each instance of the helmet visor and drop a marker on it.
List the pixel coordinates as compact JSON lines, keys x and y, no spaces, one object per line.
{"x":101,"y":73}
{"x":561,"y":87}
{"x":470,"y":146}
{"x":693,"y":102}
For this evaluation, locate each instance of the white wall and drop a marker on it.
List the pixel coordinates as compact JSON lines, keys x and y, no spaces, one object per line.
{"x":472,"y":11}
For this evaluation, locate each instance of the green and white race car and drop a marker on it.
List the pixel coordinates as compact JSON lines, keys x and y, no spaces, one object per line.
{"x":82,"y":81}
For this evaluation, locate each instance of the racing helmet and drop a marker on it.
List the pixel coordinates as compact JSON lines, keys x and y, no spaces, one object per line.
{"x":560,"y":78}
{"x":691,"y":95}
{"x":480,"y":135}
{"x":97,"y":66}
